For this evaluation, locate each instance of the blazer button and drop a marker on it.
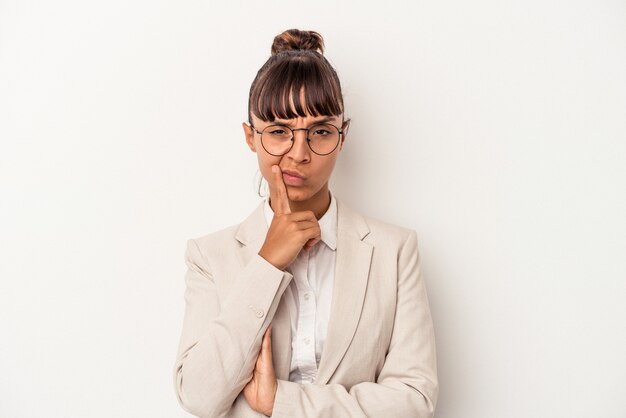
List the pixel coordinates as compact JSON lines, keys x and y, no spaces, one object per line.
{"x":259,"y":313}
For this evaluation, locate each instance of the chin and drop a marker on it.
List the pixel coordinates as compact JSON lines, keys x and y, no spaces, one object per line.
{"x":298,"y":193}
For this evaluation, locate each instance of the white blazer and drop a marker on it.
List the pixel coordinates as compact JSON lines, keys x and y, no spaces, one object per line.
{"x":379,"y":357}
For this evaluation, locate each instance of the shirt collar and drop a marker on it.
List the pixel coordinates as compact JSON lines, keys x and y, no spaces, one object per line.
{"x":328,"y":221}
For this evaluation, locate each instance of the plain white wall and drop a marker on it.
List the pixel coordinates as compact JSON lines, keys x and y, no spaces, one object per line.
{"x":496,"y":129}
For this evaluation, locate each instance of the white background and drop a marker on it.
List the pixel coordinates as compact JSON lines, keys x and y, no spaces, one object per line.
{"x":495,"y":129}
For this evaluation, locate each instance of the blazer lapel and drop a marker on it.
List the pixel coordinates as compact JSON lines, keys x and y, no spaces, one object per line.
{"x":350,"y":282}
{"x":251,"y":233}
{"x":351,"y":273}
{"x":281,"y":338}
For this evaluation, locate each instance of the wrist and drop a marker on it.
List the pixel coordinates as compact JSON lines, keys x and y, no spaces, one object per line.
{"x":278,"y":266}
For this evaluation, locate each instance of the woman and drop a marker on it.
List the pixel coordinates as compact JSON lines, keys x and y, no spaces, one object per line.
{"x":307,"y":308}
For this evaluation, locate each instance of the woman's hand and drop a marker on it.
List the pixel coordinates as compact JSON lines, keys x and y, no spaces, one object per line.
{"x":261,"y":389}
{"x":289,"y":232}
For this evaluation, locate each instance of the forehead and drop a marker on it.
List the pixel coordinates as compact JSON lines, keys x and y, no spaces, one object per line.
{"x":301,"y":121}
{"x":309,"y":119}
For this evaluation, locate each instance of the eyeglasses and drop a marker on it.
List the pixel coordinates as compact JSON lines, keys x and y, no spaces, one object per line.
{"x":278,"y":140}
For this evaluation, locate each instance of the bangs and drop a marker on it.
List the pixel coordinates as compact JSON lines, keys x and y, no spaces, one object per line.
{"x":302,"y":80}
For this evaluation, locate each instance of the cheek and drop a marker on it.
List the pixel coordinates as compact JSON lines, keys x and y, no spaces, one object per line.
{"x":321,"y":171}
{"x":266,"y":162}
{"x":328,"y":166}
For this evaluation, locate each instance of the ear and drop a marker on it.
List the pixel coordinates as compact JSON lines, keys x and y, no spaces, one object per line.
{"x":345,"y":127}
{"x":249,"y":132}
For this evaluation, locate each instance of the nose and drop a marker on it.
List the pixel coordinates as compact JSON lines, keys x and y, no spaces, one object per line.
{"x":300,"y":150}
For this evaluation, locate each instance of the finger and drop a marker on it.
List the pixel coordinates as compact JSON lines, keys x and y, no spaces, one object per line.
{"x":267,"y":339}
{"x":311,"y":234}
{"x":314,"y":235}
{"x":258,"y":365}
{"x":305,"y":215}
{"x":306,"y":224}
{"x":250,"y":378}
{"x":266,"y":352}
{"x":311,"y":243}
{"x":278,"y":192}
{"x":266,"y":348}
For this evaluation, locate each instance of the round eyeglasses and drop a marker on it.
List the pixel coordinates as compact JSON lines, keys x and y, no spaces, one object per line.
{"x":278,"y":140}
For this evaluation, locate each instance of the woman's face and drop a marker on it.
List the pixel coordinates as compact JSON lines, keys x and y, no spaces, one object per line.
{"x":315,"y":169}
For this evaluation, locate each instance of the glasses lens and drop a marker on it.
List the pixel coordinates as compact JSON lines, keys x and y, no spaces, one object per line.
{"x":276,"y":139}
{"x":323,"y":138}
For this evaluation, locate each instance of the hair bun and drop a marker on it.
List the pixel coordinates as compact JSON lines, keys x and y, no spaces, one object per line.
{"x":294,"y":39}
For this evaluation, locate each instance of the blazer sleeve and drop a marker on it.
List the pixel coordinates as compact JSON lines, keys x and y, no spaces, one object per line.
{"x":221,"y":336}
{"x":407,"y":385}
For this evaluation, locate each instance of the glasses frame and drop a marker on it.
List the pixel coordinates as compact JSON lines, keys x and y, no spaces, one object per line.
{"x":308,"y":140}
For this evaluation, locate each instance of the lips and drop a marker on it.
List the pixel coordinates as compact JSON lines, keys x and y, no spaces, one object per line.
{"x":293,"y":174}
{"x":293,"y":178}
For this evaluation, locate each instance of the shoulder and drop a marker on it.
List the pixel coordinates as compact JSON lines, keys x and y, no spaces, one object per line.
{"x":397,"y":238}
{"x":224,"y":239}
{"x":382,"y":231}
{"x":202,"y":251}
{"x":214,"y":242}
{"x":217,"y":235}
{"x":380,"y":227}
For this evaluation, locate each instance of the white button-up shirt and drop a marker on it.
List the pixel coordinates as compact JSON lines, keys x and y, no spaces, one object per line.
{"x":309,"y":296}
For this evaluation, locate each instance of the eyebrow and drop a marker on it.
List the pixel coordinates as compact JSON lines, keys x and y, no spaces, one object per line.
{"x":325,"y":119}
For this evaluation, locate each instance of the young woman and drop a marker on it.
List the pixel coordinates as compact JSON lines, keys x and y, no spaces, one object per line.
{"x":307,"y":308}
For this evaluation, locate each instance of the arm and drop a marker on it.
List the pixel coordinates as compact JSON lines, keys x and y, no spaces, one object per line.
{"x":222,"y":334}
{"x":407,"y":385}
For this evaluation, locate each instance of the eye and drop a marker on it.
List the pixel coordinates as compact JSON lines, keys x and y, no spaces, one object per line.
{"x":277,"y":131}
{"x":321,"y":132}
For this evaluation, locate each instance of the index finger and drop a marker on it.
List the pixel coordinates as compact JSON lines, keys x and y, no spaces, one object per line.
{"x":278,"y":192}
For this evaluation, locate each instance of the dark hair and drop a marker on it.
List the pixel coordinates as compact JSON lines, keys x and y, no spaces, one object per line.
{"x":295,"y":63}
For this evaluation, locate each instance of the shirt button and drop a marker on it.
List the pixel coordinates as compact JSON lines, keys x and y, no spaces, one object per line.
{"x":306,"y":296}
{"x":259,"y":313}
{"x":307,"y":341}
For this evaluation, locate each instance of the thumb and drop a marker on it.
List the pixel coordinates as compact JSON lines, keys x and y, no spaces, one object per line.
{"x":266,"y":348}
